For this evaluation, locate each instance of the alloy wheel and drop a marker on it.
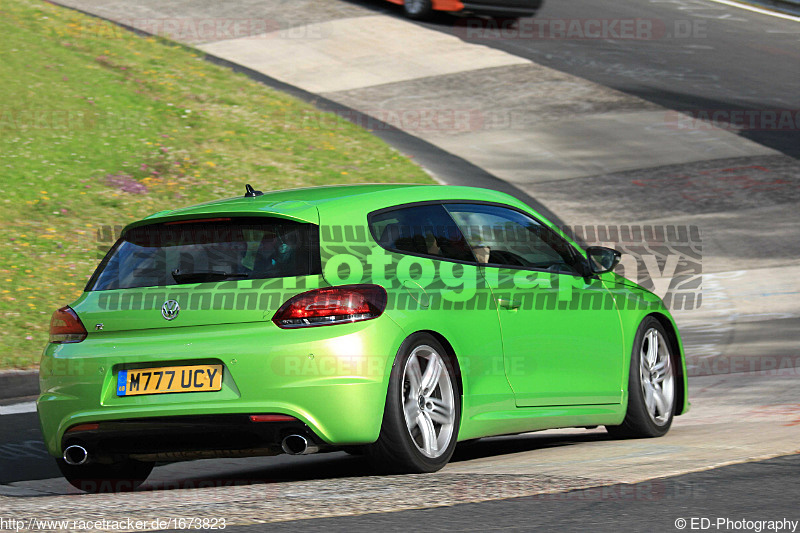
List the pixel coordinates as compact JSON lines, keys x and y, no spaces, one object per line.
{"x":428,"y":401}
{"x":657,"y":377}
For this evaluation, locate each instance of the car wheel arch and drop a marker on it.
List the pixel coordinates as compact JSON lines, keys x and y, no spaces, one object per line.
{"x":449,"y":351}
{"x":677,"y":360}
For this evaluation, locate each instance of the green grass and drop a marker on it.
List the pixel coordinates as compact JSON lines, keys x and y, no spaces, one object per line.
{"x":99,"y":127}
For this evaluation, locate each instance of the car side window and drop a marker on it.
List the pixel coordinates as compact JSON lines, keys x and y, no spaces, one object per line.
{"x":504,"y":237}
{"x":421,"y":229}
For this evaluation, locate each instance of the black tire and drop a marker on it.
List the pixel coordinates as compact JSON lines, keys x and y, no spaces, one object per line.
{"x":399,"y":446}
{"x":418,"y":9}
{"x":639,"y":422}
{"x":123,"y":476}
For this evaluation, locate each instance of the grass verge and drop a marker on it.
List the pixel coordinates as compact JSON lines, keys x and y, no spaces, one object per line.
{"x":99,"y":127}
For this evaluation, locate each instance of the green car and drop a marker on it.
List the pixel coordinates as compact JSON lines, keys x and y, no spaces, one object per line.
{"x":387,"y":320}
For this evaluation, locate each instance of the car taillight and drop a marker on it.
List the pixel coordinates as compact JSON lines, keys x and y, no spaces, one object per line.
{"x":332,"y":305}
{"x":65,"y":326}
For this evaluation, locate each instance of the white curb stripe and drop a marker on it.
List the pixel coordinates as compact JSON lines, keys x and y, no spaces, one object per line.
{"x":18,"y":408}
{"x":755,"y":9}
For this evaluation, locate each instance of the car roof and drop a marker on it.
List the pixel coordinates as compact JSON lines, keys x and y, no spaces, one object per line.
{"x":311,"y":203}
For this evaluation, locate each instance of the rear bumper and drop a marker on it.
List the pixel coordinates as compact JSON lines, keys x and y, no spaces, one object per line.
{"x":177,"y":438}
{"x":332,"y":379}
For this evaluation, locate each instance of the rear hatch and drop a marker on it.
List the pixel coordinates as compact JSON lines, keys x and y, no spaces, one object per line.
{"x":197,"y":272}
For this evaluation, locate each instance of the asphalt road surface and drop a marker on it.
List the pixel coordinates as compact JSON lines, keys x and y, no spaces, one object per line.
{"x":720,"y":500}
{"x":698,"y":55}
{"x":590,"y":119}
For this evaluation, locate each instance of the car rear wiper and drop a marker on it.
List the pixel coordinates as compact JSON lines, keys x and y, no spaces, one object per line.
{"x":199,"y":276}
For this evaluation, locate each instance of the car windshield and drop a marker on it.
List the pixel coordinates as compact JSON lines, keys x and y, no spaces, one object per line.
{"x":175,"y":253}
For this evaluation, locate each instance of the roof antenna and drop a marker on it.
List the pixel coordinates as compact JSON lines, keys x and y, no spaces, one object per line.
{"x":250,"y":192}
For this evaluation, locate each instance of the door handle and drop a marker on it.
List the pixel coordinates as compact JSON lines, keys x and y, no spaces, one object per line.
{"x":508,"y":303}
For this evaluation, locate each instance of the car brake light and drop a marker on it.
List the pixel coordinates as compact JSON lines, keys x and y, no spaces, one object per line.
{"x":66,"y":327}
{"x":332,"y":305}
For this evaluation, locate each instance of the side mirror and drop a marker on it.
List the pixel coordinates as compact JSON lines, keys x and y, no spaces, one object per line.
{"x":602,"y":259}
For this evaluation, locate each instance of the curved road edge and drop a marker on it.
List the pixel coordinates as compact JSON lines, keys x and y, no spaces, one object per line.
{"x":444,"y":166}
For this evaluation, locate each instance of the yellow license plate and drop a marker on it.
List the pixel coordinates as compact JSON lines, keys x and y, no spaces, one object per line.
{"x":199,"y":378}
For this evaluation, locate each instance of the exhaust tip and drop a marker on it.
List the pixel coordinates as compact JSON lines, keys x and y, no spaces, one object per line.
{"x":298,"y":445}
{"x":75,"y":455}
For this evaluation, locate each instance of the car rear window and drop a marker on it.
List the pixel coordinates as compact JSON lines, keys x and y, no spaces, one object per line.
{"x":219,"y":249}
{"x":420,"y":230}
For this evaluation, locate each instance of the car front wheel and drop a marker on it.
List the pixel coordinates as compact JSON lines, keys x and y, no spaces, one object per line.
{"x":423,"y":410}
{"x":651,"y":385}
{"x":417,"y":9}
